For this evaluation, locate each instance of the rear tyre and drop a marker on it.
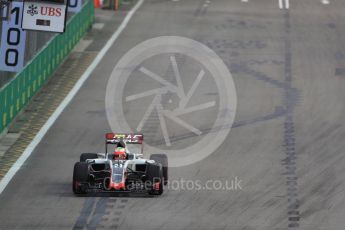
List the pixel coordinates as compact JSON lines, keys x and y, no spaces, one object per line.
{"x":163,"y":160}
{"x":80,"y":178}
{"x":85,"y":156}
{"x":154,"y":175}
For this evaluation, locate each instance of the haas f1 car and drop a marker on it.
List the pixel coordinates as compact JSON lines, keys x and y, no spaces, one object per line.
{"x":120,"y":170}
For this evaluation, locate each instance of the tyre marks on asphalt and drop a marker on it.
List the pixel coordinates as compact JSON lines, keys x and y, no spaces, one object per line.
{"x":100,"y":213}
{"x":86,"y":211}
{"x":290,"y":161}
{"x":112,"y":218}
{"x":230,"y":51}
{"x":245,"y":68}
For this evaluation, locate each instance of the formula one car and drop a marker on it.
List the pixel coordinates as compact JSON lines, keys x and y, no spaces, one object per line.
{"x":120,"y":170}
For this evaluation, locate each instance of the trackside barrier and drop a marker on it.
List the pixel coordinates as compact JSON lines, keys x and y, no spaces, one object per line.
{"x":18,"y":92}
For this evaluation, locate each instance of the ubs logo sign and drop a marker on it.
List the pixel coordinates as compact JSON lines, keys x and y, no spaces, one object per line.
{"x":44,"y":11}
{"x":50,"y":11}
{"x":32,"y":10}
{"x":44,"y":16}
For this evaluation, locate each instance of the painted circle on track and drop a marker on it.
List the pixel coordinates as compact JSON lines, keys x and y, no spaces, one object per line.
{"x":199,"y":141}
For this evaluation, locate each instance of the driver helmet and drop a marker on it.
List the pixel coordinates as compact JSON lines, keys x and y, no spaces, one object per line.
{"x":120,"y":151}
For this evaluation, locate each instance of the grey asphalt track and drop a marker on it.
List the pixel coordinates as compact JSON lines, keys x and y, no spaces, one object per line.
{"x":286,"y":145}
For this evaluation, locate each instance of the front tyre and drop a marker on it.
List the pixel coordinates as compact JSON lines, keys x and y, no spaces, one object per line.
{"x":154,"y":173}
{"x":163,"y":160}
{"x":80,"y":178}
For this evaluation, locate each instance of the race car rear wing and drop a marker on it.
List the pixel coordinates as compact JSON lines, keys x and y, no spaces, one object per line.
{"x":128,"y":138}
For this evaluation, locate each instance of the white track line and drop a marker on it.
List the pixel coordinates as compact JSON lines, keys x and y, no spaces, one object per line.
{"x":284,"y":4}
{"x":280,"y":4}
{"x":31,"y":147}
